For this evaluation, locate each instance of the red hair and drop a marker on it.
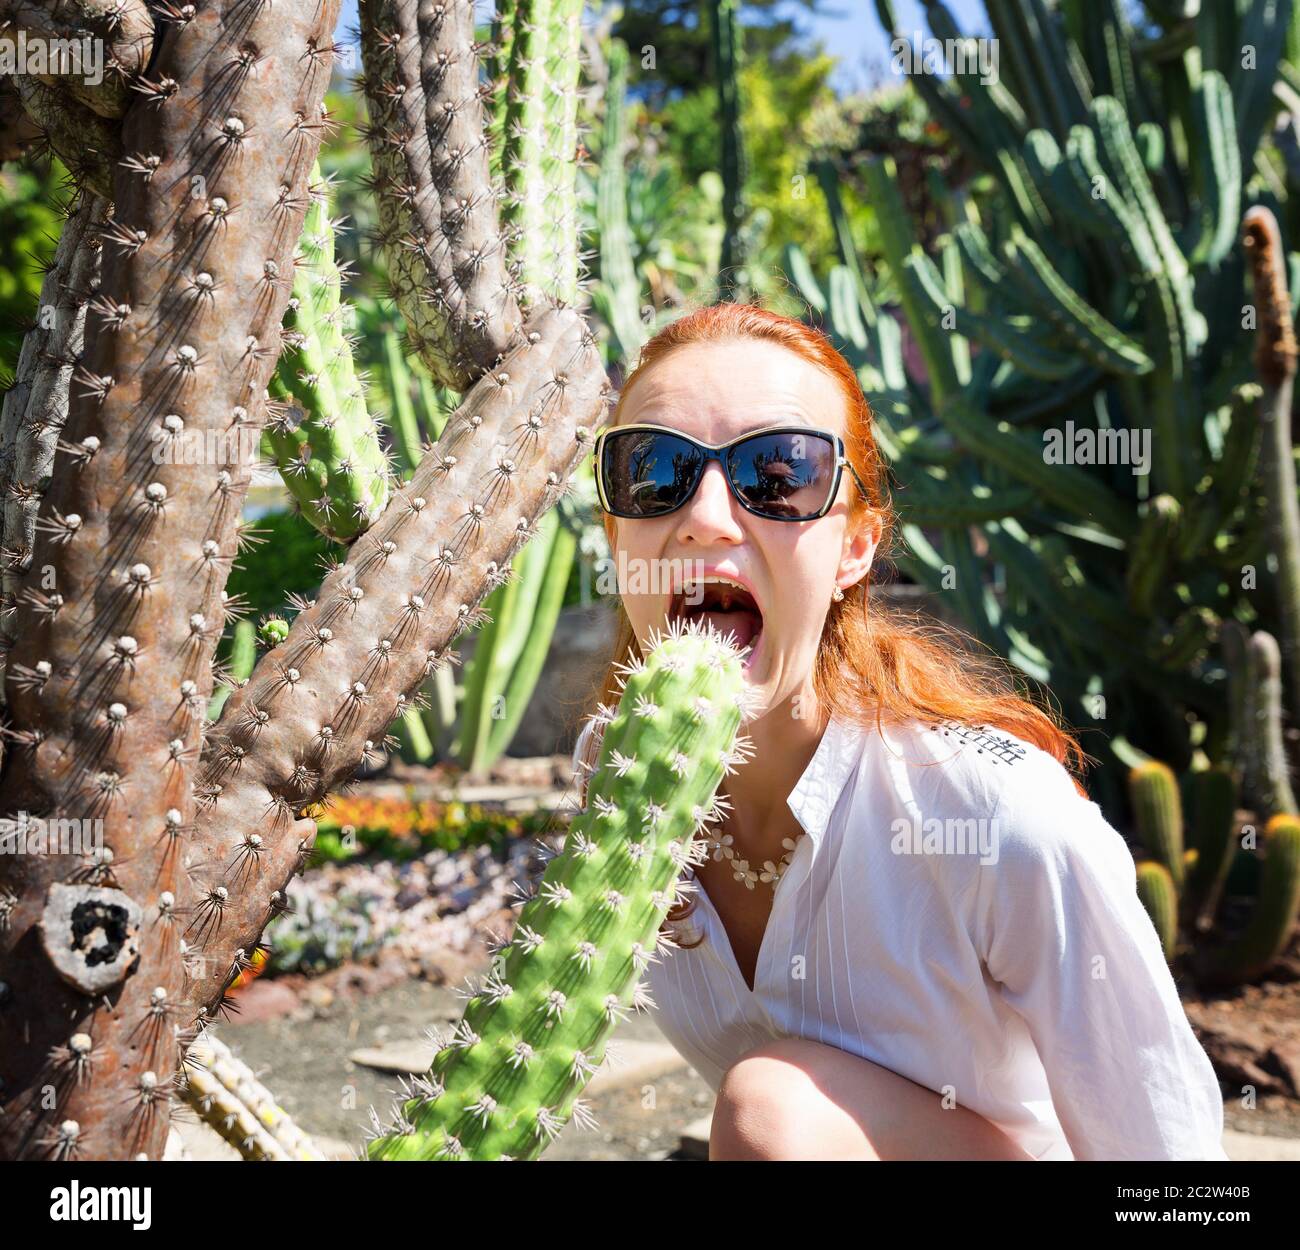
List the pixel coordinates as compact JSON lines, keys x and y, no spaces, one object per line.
{"x":874,"y":663}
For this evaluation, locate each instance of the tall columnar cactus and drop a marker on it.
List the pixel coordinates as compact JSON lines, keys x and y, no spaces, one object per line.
{"x":510,"y":1075}
{"x":1275,"y":363}
{"x":321,"y":435}
{"x":110,"y":672}
{"x":725,"y":34}
{"x":1086,"y":435}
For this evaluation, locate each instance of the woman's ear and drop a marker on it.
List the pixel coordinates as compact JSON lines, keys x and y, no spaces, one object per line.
{"x":860,"y":546}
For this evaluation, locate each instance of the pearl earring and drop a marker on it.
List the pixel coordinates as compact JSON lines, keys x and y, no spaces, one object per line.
{"x":836,"y":595}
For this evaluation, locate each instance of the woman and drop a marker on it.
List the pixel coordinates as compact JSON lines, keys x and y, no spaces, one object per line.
{"x":915,"y":937}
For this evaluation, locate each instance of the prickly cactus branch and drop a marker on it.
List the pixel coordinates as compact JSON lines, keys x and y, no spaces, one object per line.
{"x":119,"y":615}
{"x":321,"y":433}
{"x":321,"y":701}
{"x":36,"y":405}
{"x":439,"y":229}
{"x":509,"y":1077}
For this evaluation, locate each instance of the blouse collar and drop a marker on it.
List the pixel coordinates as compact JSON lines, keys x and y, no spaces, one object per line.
{"x":815,"y":794}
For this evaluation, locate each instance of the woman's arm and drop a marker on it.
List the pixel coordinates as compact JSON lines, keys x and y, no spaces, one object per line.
{"x":1060,"y":927}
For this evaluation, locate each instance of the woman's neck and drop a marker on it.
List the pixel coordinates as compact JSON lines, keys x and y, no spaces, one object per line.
{"x":784,"y":744}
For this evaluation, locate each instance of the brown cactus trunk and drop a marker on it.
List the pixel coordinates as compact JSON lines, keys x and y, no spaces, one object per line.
{"x":123,"y":601}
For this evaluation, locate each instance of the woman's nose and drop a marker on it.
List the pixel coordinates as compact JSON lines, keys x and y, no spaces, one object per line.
{"x":711,"y":514}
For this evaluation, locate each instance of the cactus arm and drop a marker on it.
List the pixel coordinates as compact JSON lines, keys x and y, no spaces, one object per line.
{"x":1218,"y":171}
{"x":140,"y":571}
{"x":1090,"y":333}
{"x":221,"y":1088}
{"x":413,"y":580}
{"x":437,"y":208}
{"x":1267,"y":770}
{"x":1213,"y":801}
{"x":36,"y":405}
{"x":617,"y":270}
{"x":1012,"y":342}
{"x":322,"y":437}
{"x":1022,"y":455}
{"x":535,"y":1031}
{"x":1152,"y":554}
{"x":1275,"y":362}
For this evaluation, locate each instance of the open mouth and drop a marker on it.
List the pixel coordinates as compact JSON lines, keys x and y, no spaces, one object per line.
{"x":726,"y":605}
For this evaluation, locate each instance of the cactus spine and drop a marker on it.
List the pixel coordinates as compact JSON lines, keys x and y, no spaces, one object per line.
{"x":322,"y":437}
{"x":509,"y":1078}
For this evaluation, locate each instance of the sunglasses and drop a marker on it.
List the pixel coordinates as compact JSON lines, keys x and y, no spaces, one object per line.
{"x":784,"y":473}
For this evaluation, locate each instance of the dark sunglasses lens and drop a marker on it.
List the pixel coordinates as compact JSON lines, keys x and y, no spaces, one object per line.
{"x":647,"y":473}
{"x":786,"y":475}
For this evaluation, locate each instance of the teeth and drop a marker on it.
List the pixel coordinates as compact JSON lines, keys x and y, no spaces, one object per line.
{"x":711,"y":579}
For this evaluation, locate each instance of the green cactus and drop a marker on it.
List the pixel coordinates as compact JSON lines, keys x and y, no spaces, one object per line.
{"x":323,"y":439}
{"x":1155,"y":887}
{"x":1087,"y":345}
{"x":510,"y":1076}
{"x":1212,"y":799}
{"x":1273,"y":919}
{"x":727,"y":44}
{"x":1158,"y":815}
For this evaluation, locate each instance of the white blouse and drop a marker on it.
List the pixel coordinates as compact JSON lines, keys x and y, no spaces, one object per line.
{"x":959,"y":914}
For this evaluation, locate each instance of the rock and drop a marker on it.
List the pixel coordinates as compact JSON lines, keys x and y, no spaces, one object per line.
{"x":1255,"y":1146}
{"x":1286,"y":1056}
{"x":265,"y":1000}
{"x":320,"y":996}
{"x":1238,"y":1053}
{"x":448,"y":967}
{"x":404,"y":1057}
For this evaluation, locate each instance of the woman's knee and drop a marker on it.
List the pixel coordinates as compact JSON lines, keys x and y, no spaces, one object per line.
{"x":767,"y":1106}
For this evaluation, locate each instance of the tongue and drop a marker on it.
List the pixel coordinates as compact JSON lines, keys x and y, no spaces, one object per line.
{"x":743,"y":622}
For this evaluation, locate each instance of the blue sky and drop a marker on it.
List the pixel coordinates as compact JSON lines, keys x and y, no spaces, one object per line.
{"x":853,"y":34}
